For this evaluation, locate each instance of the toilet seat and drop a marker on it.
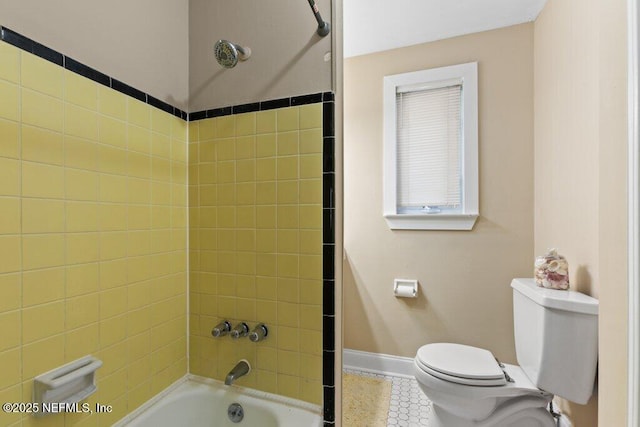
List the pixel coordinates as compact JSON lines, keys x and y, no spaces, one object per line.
{"x":461,"y":364}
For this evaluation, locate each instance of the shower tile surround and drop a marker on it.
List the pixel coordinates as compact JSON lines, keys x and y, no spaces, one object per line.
{"x":262,"y":243}
{"x":93,"y":234}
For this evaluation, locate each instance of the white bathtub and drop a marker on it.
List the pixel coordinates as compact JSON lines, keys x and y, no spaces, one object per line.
{"x":200,"y":402}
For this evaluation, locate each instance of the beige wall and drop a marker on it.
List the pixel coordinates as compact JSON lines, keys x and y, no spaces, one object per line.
{"x":143,"y":43}
{"x":580,"y":172}
{"x":287,"y":55}
{"x":464,"y":276}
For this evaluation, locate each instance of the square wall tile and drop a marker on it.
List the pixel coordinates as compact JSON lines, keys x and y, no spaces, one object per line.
{"x":10,"y":95}
{"x":245,"y":124}
{"x":43,"y":286}
{"x":311,"y":116}
{"x":11,"y":215}
{"x":41,"y":75}
{"x":11,"y":360}
{"x":82,"y":248}
{"x":266,"y":145}
{"x":112,"y":103}
{"x":41,"y":145}
{"x":288,"y":143}
{"x":80,"y":154}
{"x":42,"y":321}
{"x":43,"y":250}
{"x":42,"y":356}
{"x":9,"y":62}
{"x":81,"y":185}
{"x":10,"y":327}
{"x":40,"y":180}
{"x":80,"y":122}
{"x":41,"y":110}
{"x":161,"y":122}
{"x":138,"y":113}
{"x":9,"y":177}
{"x":310,"y":141}
{"x":287,"y":119}
{"x":10,"y":292}
{"x":112,"y":131}
{"x":9,"y":139}
{"x":42,"y":216}
{"x":82,"y":279}
{"x":225,"y":126}
{"x":81,"y":341}
{"x":80,"y":91}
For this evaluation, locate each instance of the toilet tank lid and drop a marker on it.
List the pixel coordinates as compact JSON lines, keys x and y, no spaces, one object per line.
{"x":558,"y":299}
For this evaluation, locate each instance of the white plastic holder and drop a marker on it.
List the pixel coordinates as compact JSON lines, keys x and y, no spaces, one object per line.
{"x":67,"y":384}
{"x":405,"y":288}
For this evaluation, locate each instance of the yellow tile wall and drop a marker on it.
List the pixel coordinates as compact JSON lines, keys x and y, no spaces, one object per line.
{"x":93,"y":217}
{"x":255,"y":206}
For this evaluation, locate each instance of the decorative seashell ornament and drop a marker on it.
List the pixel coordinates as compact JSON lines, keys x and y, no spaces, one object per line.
{"x":552,"y":271}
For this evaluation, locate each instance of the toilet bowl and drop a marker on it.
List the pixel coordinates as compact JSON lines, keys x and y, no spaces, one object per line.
{"x":467,"y":387}
{"x":556,"y":347}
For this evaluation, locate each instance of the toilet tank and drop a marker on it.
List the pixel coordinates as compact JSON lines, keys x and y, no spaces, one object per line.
{"x":556,"y":335}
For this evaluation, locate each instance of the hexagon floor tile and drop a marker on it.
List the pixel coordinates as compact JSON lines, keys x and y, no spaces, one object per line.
{"x":409,"y":407}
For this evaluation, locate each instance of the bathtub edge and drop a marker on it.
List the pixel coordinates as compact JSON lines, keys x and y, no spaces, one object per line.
{"x":149,"y":403}
{"x":256,"y":394}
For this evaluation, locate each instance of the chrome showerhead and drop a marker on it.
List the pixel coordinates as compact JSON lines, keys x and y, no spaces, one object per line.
{"x":228,"y":54}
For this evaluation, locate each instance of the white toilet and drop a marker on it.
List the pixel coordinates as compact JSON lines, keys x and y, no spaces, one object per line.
{"x":556,"y":335}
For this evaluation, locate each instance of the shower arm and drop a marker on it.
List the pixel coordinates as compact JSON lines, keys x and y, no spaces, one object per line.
{"x":323,"y":26}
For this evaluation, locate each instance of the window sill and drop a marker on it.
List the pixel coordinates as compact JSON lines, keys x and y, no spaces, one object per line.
{"x":431,"y":221}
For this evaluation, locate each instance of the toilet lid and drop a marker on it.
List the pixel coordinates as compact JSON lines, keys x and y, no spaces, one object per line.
{"x":461,"y":364}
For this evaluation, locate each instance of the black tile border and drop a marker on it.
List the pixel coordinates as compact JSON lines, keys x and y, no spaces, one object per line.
{"x":31,"y":46}
{"x":275,"y":103}
{"x":328,"y":226}
{"x":328,"y":200}
{"x":329,"y":410}
{"x":161,"y":105}
{"x":328,"y":300}
{"x":328,"y":150}
{"x":128,"y":90}
{"x":88,"y":72}
{"x":306,"y":99}
{"x":48,"y":54}
{"x":328,"y":112}
{"x":197,"y":116}
{"x":328,"y":254}
{"x":328,"y":190}
{"x":272,"y":104}
{"x":18,"y":40}
{"x":245,"y":108}
{"x":329,"y":362}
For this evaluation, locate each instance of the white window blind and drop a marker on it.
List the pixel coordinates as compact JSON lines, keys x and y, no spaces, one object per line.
{"x":429,"y":129}
{"x":430,"y":150}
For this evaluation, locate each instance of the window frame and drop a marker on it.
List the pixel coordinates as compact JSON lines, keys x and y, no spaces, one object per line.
{"x":467,"y":75}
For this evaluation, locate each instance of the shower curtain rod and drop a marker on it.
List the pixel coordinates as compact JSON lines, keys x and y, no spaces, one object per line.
{"x":323,"y":26}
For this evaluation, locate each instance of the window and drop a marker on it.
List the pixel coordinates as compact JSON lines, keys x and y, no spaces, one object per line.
{"x":431,"y":149}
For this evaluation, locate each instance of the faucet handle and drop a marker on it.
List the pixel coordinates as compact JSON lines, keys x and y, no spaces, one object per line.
{"x":241,"y":330}
{"x":259,"y":333}
{"x":221,"y":329}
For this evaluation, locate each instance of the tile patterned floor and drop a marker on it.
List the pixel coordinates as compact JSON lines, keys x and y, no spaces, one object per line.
{"x":409,"y":407}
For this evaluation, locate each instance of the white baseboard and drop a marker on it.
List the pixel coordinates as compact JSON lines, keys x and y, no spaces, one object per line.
{"x":378,"y":363}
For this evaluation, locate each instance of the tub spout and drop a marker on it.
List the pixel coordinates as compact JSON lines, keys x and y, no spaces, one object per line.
{"x":242,"y":368}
